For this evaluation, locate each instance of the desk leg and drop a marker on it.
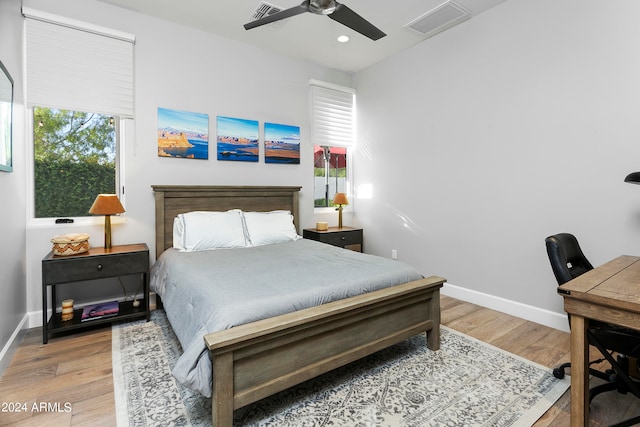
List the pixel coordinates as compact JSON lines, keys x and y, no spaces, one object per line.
{"x":579,"y":372}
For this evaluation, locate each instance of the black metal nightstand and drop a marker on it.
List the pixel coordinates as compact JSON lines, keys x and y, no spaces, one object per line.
{"x":97,"y":263}
{"x":345,"y":237}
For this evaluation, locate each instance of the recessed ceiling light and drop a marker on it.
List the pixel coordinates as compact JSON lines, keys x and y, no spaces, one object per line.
{"x":343,"y":38}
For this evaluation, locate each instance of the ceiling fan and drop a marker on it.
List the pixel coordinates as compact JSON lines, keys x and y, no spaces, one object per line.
{"x":331,"y":8}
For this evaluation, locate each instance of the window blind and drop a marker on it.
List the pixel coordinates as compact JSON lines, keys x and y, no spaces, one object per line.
{"x":78,"y":66}
{"x":332,"y":115}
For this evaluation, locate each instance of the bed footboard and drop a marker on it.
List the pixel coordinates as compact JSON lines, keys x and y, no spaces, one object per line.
{"x":256,"y":360}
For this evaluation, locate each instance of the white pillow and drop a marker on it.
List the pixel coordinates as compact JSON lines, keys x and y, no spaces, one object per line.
{"x":200,"y":231}
{"x":264,"y":228}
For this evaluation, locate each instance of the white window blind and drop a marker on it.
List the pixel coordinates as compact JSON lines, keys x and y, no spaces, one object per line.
{"x":332,"y":115}
{"x":78,"y":66}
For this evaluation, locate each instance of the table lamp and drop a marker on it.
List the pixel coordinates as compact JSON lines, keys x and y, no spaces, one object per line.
{"x":340,"y":199}
{"x":107,"y":205}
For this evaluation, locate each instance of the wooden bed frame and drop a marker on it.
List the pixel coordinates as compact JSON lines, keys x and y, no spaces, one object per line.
{"x":258,"y":359}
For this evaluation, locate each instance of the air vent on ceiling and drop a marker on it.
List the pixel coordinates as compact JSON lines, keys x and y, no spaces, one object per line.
{"x":266,"y":9}
{"x":439,"y":19}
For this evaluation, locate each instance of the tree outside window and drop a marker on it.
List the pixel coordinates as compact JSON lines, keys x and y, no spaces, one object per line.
{"x":75,"y":159}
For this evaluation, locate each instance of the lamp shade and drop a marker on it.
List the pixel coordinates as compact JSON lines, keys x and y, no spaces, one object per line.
{"x":633,"y":178}
{"x":106,"y":204}
{"x":340,"y":199}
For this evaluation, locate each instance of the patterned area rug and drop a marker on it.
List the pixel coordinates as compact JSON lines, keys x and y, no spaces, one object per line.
{"x":465,"y":383}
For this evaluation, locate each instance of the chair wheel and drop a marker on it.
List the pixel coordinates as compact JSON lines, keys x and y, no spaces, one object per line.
{"x":558,"y":373}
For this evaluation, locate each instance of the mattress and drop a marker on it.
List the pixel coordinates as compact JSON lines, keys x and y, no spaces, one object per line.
{"x":208,"y":291}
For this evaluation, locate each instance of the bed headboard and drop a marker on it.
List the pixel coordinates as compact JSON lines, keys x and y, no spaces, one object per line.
{"x":172,"y":200}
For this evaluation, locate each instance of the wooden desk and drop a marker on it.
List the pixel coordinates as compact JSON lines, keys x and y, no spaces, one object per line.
{"x":609,"y":293}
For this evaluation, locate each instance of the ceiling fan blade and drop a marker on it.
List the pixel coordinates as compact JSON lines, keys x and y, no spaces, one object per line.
{"x":349,"y":18}
{"x":296,"y":10}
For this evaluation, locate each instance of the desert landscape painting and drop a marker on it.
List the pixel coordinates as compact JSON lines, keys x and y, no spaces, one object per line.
{"x":183,"y":134}
{"x":237,"y":139}
{"x":281,"y":143}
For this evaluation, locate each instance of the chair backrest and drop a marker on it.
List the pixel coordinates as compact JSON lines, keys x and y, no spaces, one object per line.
{"x":566,"y":257}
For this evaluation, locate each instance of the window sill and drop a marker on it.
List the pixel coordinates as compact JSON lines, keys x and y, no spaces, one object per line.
{"x":331,"y":209}
{"x":35,"y":223}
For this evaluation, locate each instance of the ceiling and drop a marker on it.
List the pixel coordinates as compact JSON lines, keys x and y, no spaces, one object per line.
{"x":306,"y":36}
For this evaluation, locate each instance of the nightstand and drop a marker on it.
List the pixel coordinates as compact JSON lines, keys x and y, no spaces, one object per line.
{"x":345,"y":237}
{"x":97,"y":263}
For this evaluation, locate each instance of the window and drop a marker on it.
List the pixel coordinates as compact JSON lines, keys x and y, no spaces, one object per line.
{"x":79,"y":88}
{"x":330,"y":174}
{"x":74,"y":160}
{"x":333,"y":117}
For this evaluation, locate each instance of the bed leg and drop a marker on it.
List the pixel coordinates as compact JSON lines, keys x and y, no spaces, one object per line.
{"x":222,"y":390}
{"x":433,"y":336}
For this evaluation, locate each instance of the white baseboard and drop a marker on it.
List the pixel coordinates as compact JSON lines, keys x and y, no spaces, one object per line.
{"x":35,"y":318}
{"x":523,"y":311}
{"x":12,"y":345}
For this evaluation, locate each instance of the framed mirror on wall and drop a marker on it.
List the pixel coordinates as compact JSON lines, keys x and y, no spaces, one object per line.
{"x":6,"y":111}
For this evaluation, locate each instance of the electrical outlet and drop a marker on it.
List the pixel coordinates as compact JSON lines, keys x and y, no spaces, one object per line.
{"x":394,"y":254}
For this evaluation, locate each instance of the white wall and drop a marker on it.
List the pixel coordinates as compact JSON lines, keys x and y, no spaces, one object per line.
{"x":477,"y":144}
{"x":185,"y":69}
{"x":12,"y":189}
{"x":515,"y":125}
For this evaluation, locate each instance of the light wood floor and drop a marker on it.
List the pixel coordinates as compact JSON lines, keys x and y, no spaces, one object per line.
{"x":70,"y":380}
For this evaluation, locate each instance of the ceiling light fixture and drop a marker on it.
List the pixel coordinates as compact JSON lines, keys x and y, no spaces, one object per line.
{"x":343,"y":38}
{"x":331,"y":8}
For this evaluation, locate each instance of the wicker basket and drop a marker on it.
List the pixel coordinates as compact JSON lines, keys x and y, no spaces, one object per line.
{"x":70,"y":244}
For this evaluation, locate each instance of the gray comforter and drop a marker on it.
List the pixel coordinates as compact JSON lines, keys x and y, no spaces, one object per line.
{"x":208,"y":291}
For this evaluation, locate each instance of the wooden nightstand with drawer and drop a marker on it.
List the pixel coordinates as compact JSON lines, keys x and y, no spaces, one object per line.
{"x":345,"y":237}
{"x":97,"y":263}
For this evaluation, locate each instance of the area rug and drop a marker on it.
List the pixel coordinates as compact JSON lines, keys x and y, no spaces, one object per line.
{"x":465,"y":383}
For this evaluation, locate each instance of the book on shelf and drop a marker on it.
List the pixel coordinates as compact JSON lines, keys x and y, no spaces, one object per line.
{"x":100,"y":310}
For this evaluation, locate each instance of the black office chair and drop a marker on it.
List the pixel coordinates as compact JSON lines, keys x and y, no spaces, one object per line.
{"x":568,"y":262}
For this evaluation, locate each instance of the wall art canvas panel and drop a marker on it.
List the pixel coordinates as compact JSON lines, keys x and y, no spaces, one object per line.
{"x":183,"y":134}
{"x":281,"y":144}
{"x":237,"y":139}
